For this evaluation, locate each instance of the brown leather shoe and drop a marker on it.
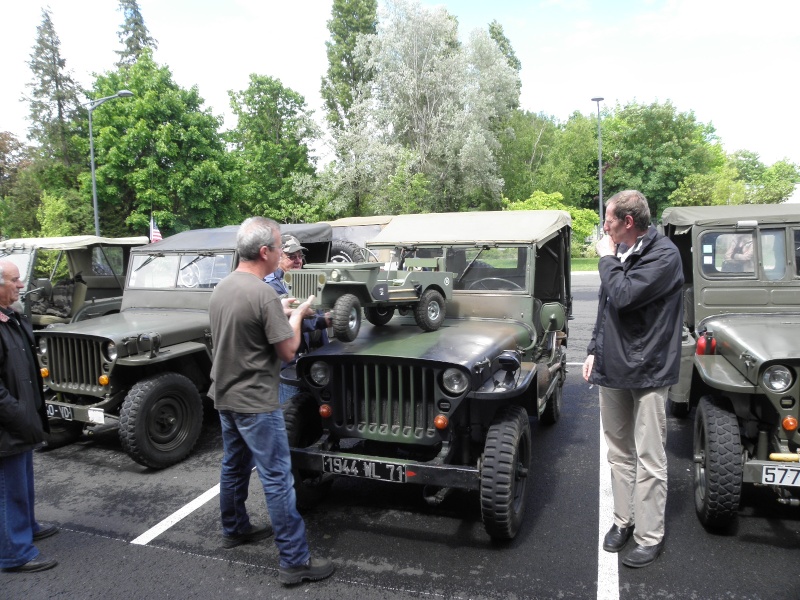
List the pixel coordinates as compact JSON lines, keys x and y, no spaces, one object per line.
{"x":40,"y":563}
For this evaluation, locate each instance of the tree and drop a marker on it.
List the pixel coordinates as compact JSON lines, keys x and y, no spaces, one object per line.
{"x":721,"y":186}
{"x":157,"y":152}
{"x":654,"y":148}
{"x":776,"y":184}
{"x":346,"y":76}
{"x":497,"y":34}
{"x":13,"y":158}
{"x":270,"y":150}
{"x":133,"y":34}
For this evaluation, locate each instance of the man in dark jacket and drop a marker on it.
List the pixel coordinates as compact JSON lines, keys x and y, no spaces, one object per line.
{"x":23,"y":422}
{"x":634,"y":356}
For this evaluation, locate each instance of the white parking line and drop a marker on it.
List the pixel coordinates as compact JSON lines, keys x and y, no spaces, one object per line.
{"x":152,"y":533}
{"x":607,"y":562}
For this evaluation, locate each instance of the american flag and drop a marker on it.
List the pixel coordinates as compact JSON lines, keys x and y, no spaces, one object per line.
{"x":155,"y":234}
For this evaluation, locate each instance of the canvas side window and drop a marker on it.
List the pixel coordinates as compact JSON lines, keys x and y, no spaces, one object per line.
{"x":797,"y":251}
{"x":727,"y":254}
{"x":773,"y":253}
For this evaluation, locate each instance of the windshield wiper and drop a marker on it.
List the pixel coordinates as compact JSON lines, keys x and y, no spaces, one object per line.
{"x":196,"y":258}
{"x":150,"y":259}
{"x":464,"y":272}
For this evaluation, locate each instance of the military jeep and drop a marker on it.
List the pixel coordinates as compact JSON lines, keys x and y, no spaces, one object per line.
{"x":346,"y":288}
{"x":71,"y":278}
{"x":740,"y":363}
{"x":446,"y":409}
{"x":144,"y":370}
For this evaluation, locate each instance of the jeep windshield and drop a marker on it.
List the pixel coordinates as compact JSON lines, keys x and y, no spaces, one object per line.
{"x":170,"y":271}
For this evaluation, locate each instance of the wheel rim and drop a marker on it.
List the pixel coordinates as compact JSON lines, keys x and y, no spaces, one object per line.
{"x":700,"y":462}
{"x":165,"y":423}
{"x":434,"y":310}
{"x":520,"y":474}
{"x":352,"y":320}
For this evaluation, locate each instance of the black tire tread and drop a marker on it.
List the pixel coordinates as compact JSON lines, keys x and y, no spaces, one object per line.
{"x":421,"y":310}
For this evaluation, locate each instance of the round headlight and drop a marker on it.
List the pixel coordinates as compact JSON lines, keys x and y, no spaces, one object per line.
{"x":335,"y":275}
{"x":777,"y":378}
{"x":42,"y":346}
{"x":454,"y":381}
{"x":110,"y":350}
{"x":320,"y":373}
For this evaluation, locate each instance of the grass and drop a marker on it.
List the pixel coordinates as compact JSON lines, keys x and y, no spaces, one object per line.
{"x":584,"y":264}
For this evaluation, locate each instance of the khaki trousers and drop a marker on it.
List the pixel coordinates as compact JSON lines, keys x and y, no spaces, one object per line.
{"x":635,"y":427}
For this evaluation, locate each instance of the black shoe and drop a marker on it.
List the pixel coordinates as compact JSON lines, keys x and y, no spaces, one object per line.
{"x":314,"y":570}
{"x":45,"y":532}
{"x":40,"y":563}
{"x":255,"y":534}
{"x":617,"y":537}
{"x":641,"y":556}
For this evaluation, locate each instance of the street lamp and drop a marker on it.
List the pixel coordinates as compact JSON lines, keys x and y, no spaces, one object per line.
{"x":599,"y":160}
{"x":92,"y":105}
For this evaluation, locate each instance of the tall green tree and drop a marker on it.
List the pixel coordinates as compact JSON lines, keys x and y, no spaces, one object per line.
{"x":160,"y":152}
{"x":17,"y":209}
{"x":498,"y":35}
{"x":346,"y":77}
{"x":525,"y":141}
{"x":270,"y":150}
{"x":654,"y":148}
{"x":133,"y":34}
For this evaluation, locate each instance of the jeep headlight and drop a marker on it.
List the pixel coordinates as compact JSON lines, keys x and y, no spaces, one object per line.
{"x":777,"y":378}
{"x":320,"y":373}
{"x":110,"y":351}
{"x":42,"y":346}
{"x":336,"y":275}
{"x":454,"y":381}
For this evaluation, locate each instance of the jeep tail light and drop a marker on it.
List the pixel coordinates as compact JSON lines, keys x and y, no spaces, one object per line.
{"x":706,"y":344}
{"x":789,"y":423}
{"x":440,"y":422}
{"x":325,"y":411}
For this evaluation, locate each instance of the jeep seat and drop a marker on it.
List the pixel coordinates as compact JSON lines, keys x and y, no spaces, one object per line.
{"x":66,"y":299}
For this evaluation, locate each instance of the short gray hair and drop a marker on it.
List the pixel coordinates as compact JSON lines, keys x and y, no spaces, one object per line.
{"x":633,"y":203}
{"x":3,"y":264}
{"x":254,"y":233}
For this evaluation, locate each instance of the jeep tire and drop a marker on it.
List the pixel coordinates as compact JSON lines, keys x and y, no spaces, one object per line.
{"x":552,"y":407}
{"x":62,"y":433}
{"x":160,"y":420}
{"x":346,"y":317}
{"x":345,"y":251}
{"x":303,"y":428}
{"x":717,"y":463}
{"x":504,"y":472}
{"x":429,"y":313}
{"x":378,"y":315}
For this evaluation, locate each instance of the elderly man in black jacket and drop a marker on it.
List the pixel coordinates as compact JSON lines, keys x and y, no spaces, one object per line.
{"x":23,"y":422}
{"x":634,"y":356}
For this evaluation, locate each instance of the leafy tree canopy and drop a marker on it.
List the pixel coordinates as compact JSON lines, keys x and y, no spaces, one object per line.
{"x":133,"y":34}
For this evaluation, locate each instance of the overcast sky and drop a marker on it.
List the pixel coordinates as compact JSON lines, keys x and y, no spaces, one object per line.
{"x":733,"y":63}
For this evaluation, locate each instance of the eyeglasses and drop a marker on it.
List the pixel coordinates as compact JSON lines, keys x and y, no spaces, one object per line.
{"x":295,"y":256}
{"x":610,"y":221}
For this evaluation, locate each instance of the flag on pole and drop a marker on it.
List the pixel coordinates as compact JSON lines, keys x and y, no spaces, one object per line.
{"x":155,"y":234}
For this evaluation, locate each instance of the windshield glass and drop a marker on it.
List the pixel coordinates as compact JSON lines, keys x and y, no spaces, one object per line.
{"x":202,"y":271}
{"x":21,"y":259}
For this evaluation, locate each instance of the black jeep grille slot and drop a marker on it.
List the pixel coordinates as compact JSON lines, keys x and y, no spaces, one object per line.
{"x":75,"y":363}
{"x":397,"y":401}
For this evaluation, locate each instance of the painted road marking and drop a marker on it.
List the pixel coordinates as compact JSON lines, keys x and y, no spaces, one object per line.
{"x":152,"y":533}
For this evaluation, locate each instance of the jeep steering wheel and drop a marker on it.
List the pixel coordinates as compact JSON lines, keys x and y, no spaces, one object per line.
{"x":190,"y":276}
{"x":493,"y":283}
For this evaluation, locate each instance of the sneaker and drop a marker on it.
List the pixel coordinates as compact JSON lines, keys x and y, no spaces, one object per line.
{"x":255,"y":534}
{"x":314,"y":570}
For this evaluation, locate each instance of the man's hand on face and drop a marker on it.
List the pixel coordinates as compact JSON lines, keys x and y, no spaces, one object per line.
{"x":606,"y":246}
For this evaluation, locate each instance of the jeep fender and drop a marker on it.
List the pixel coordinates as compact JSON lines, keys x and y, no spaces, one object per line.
{"x":719,"y":374}
{"x":164,"y":354}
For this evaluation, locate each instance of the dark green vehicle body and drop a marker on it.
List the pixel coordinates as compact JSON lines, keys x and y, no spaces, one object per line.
{"x":446,"y":409}
{"x":145,"y":370}
{"x":741,"y":356}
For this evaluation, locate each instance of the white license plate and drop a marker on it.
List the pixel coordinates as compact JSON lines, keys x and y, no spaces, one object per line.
{"x":57,"y":411}
{"x":368,"y":469}
{"x":780,"y":475}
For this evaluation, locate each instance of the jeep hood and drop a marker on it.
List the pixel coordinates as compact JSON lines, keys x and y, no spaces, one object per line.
{"x":457,"y":341}
{"x":749,"y":341}
{"x":173,"y":326}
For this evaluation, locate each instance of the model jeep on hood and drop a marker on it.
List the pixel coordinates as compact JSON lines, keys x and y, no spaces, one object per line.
{"x":740,"y":363}
{"x":71,"y":278}
{"x":446,"y":409}
{"x":145,"y":370}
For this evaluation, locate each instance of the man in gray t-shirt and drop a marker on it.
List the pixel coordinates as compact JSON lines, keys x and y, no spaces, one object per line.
{"x":251,"y":337}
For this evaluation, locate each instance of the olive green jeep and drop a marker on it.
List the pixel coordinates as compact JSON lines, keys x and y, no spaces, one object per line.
{"x":446,"y":409}
{"x":145,"y":370}
{"x":740,"y":363}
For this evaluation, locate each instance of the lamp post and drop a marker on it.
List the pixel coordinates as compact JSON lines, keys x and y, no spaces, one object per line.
{"x":92,"y":105}
{"x":599,"y":160}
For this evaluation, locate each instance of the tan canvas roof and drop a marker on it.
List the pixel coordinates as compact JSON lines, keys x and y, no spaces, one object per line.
{"x":74,"y":242}
{"x":517,"y":226}
{"x":730,"y":214}
{"x":356,"y":221}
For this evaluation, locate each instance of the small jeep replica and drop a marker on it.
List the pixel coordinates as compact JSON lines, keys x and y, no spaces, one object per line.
{"x":145,"y":369}
{"x":70,"y":278}
{"x":740,"y":363}
{"x":345,"y":288}
{"x":448,"y":409}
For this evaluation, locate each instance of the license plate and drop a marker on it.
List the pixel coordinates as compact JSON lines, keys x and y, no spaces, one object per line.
{"x":368,"y":469}
{"x":57,"y":411}
{"x":781,"y":475}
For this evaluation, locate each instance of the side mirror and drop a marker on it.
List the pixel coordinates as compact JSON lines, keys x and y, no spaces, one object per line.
{"x":552,"y":316}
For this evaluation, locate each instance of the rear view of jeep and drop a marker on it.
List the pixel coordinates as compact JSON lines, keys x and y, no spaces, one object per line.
{"x":740,"y":366}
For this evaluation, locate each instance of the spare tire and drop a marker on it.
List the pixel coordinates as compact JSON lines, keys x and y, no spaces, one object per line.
{"x":347,"y":251}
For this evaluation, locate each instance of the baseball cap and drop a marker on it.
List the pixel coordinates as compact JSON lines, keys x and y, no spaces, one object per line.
{"x":290,"y":244}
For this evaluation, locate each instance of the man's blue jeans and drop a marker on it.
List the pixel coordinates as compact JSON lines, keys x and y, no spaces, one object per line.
{"x":16,"y":510}
{"x":259,"y":439}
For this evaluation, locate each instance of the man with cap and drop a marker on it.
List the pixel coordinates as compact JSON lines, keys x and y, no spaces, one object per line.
{"x":314,"y":329}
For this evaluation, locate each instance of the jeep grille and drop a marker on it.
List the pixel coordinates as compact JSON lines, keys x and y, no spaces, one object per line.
{"x":304,"y":285}
{"x":74,"y":363}
{"x":385,"y":400}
